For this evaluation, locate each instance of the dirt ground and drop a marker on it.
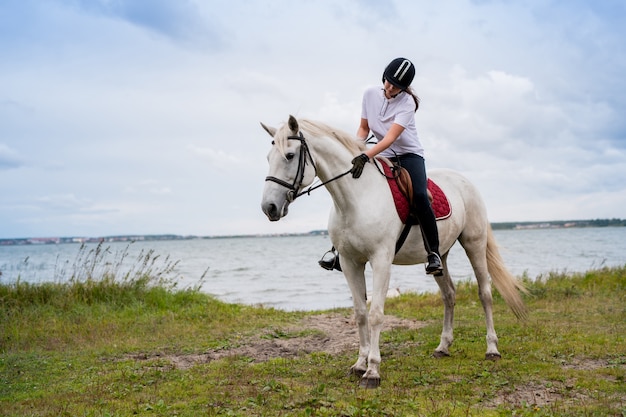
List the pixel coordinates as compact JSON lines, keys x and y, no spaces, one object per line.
{"x":330,"y":333}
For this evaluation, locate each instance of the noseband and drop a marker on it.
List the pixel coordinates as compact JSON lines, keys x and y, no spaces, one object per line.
{"x":292,"y":194}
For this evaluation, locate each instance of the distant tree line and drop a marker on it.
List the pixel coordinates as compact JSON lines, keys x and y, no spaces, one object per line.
{"x":560,"y":223}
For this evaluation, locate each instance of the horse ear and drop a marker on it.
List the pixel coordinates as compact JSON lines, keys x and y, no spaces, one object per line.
{"x":270,"y":130}
{"x":293,"y":125}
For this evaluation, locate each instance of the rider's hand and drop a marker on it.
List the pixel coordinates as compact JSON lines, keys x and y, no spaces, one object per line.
{"x":357,"y":165}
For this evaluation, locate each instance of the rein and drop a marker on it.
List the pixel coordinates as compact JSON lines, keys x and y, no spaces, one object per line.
{"x":308,"y":190}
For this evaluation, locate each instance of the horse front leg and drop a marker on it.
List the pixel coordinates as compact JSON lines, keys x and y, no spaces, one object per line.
{"x":381,"y":274}
{"x":355,"y":276}
{"x":448,"y":296}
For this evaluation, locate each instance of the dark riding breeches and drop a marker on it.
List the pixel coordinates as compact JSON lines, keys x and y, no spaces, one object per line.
{"x":416,"y":167}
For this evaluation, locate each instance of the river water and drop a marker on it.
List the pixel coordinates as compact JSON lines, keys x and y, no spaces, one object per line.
{"x":282,"y":272}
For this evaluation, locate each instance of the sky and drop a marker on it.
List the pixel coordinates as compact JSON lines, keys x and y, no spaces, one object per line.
{"x":143,"y":116}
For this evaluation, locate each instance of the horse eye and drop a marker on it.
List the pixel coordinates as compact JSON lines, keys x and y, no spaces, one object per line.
{"x":290,"y":156}
{"x":273,"y":143}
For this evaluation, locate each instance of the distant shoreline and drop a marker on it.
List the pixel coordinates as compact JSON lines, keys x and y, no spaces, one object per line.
{"x":143,"y":238}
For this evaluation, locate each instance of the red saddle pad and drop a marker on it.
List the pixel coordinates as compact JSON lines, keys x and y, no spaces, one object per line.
{"x":441,"y":205}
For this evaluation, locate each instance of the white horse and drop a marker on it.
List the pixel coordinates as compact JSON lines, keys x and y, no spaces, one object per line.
{"x":364,"y":226}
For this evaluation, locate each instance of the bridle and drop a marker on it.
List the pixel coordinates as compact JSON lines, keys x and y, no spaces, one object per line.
{"x":305,"y":154}
{"x":293,"y":187}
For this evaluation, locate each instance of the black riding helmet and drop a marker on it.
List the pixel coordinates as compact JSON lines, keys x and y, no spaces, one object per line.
{"x":400,"y":72}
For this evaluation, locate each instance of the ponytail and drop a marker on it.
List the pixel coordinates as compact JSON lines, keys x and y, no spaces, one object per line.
{"x":416,"y":99}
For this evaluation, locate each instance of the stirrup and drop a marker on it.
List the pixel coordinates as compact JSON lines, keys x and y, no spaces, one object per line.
{"x":434,"y":266}
{"x":332,"y":262}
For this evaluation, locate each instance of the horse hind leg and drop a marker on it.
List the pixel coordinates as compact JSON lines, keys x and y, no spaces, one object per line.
{"x":448,"y":295}
{"x":476,"y":250}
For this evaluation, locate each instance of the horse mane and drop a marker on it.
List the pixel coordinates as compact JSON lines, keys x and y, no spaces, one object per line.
{"x":316,"y":128}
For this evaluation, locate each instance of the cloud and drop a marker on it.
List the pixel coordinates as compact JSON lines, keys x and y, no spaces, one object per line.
{"x":151,"y":186}
{"x":124,"y":114}
{"x":217,"y":158}
{"x":180,"y":20}
{"x":9,"y":158}
{"x":61,"y":202}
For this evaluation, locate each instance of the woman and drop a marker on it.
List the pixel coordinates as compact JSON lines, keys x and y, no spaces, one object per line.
{"x":389,"y":113}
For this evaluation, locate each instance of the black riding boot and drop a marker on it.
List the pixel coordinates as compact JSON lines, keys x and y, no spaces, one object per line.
{"x":430,"y":236}
{"x":434,"y":266}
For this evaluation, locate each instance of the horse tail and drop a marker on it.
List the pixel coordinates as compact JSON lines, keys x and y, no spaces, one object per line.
{"x":507,"y":285}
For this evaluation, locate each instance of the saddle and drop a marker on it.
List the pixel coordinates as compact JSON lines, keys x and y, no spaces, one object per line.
{"x":401,"y":188}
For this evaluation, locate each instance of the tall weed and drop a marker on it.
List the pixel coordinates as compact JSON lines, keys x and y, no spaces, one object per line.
{"x":97,"y":274}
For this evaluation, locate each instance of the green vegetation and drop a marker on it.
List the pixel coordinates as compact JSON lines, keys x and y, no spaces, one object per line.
{"x":108,"y":343}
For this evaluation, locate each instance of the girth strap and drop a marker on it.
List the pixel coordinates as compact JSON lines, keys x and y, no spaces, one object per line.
{"x":404,"y":234}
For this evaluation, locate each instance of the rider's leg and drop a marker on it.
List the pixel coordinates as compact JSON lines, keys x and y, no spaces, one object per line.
{"x":421,"y":206}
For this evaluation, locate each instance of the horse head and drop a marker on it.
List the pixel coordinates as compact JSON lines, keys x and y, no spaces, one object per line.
{"x":291,"y":169}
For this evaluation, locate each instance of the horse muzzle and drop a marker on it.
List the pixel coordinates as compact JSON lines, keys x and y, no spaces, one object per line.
{"x":275,"y":212}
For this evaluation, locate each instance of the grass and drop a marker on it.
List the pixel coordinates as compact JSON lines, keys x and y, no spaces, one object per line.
{"x":102,"y":343}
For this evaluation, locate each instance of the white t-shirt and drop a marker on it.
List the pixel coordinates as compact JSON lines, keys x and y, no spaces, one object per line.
{"x":381,"y":113}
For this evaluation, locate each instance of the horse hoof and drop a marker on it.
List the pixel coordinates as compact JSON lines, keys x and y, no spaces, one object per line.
{"x":356,"y":372}
{"x":439,"y":354}
{"x":369,"y":383}
{"x":493,"y":356}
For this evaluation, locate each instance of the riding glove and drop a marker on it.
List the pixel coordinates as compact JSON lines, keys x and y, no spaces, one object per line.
{"x":357,"y":165}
